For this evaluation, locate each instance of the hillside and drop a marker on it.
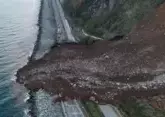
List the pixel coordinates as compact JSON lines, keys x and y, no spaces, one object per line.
{"x":108,"y":18}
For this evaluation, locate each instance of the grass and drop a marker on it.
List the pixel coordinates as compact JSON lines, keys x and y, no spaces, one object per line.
{"x":92,"y":109}
{"x":134,"y":108}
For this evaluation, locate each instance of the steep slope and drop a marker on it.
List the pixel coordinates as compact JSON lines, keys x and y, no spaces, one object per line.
{"x":108,"y":18}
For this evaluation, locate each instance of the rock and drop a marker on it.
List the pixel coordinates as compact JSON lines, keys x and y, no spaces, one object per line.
{"x":92,"y":98}
{"x":154,"y":105}
{"x":157,"y":102}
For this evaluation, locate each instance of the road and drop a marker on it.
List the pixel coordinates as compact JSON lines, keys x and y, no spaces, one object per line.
{"x":62,"y":23}
{"x":54,"y":28}
{"x":45,"y":107}
{"x":72,"y":109}
{"x":110,"y":111}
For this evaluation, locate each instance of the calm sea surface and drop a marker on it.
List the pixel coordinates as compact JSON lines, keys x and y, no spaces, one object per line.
{"x":18,"y":33}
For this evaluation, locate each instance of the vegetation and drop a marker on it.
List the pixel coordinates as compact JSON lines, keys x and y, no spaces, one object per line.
{"x":92,"y":109}
{"x":134,"y":108}
{"x":87,"y":41}
{"x":106,"y":23}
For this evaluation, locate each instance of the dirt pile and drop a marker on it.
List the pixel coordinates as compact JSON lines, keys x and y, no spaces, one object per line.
{"x":106,"y":70}
{"x":157,"y":102}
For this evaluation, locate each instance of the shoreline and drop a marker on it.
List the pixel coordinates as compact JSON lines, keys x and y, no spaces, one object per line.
{"x":32,"y":58}
{"x":36,"y":45}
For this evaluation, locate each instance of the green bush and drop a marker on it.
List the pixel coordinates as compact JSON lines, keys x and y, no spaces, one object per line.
{"x":92,"y":109}
{"x":134,"y":108}
{"x":119,"y":21}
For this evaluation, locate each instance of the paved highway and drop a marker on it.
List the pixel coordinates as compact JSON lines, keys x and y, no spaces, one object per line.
{"x":110,"y":111}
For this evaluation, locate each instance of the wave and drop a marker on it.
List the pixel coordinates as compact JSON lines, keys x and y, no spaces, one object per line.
{"x":26,"y":112}
{"x":27,"y":97}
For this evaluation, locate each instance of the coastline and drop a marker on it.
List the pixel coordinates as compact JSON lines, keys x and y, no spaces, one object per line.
{"x":31,"y":100}
{"x":32,"y":57}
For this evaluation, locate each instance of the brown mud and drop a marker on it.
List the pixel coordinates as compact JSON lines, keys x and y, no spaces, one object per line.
{"x":107,"y":70}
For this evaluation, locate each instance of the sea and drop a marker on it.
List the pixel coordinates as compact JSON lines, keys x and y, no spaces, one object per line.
{"x":18,"y":34}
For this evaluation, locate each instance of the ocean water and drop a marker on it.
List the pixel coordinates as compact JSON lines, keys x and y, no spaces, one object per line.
{"x":18,"y":34}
